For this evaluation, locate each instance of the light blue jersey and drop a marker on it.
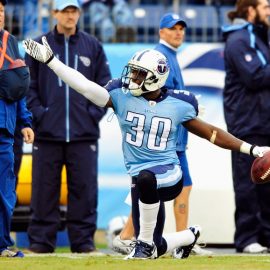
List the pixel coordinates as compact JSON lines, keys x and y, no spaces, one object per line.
{"x":150,"y":128}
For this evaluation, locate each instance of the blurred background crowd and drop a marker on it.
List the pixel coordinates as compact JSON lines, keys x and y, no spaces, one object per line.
{"x":123,"y":21}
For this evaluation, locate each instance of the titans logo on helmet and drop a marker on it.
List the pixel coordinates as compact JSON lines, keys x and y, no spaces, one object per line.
{"x":162,"y":67}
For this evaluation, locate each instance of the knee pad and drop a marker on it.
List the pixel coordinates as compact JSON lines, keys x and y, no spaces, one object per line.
{"x":147,"y":186}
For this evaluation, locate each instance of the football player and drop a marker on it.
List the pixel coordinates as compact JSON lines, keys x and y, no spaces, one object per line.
{"x":149,"y":116}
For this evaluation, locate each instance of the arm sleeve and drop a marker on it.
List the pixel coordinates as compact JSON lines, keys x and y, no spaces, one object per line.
{"x":101,"y":76}
{"x":92,"y":91}
{"x":24,"y":117}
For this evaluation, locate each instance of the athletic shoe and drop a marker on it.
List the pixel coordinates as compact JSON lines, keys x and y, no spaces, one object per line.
{"x":11,"y":254}
{"x":122,"y":246}
{"x":199,"y":251}
{"x":183,"y":252}
{"x":255,"y":248}
{"x":142,"y":251}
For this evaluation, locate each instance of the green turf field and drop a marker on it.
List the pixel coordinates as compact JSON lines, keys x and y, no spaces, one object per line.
{"x":67,"y":261}
{"x":62,"y":259}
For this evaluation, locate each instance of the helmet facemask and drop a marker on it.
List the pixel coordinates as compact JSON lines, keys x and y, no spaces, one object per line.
{"x":136,"y":78}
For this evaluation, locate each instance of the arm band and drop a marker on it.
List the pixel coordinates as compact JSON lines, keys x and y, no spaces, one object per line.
{"x":246,"y":148}
{"x":213,"y":137}
{"x":92,"y":91}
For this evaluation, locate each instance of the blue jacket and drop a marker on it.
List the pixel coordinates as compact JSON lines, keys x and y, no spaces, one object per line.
{"x":12,"y":111}
{"x":247,"y":82}
{"x":59,"y":112}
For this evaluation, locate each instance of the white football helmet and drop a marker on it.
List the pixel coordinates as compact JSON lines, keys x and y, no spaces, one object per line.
{"x":146,"y":71}
{"x":115,"y":226}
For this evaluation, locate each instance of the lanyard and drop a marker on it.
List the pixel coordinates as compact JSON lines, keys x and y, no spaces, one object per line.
{"x":4,"y":49}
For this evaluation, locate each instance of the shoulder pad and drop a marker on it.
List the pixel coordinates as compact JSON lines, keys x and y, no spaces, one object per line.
{"x":186,"y":96}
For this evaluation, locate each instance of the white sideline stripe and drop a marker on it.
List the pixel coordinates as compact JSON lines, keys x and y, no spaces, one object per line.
{"x":68,"y":255}
{"x":120,"y":257}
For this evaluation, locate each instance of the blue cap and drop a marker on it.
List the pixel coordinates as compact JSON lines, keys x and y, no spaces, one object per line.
{"x":171,"y":19}
{"x":4,"y":2}
{"x":62,"y":4}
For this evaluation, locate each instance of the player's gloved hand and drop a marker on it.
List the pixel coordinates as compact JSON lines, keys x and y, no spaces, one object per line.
{"x":258,"y":151}
{"x":41,"y":52}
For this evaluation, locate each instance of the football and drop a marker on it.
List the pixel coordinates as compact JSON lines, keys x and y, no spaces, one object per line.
{"x":260,"y":169}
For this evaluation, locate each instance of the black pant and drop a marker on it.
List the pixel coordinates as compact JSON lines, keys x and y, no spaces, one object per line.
{"x":165,"y":194}
{"x":252,"y":214}
{"x":80,"y":159}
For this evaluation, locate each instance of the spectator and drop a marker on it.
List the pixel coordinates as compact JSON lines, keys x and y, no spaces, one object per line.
{"x":30,"y":19}
{"x":112,"y":20}
{"x":36,"y":18}
{"x":172,"y":32}
{"x":67,"y":132}
{"x":14,"y":82}
{"x":13,"y":17}
{"x":247,"y":114}
{"x":150,"y":127}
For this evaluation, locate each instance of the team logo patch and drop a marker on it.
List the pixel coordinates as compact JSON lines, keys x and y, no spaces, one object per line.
{"x":248,"y":58}
{"x":162,"y":67}
{"x":85,"y":60}
{"x":93,"y":147}
{"x":175,"y":16}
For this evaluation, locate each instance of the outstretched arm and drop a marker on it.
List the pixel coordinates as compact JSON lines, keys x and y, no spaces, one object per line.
{"x":92,"y":91}
{"x":222,"y":138}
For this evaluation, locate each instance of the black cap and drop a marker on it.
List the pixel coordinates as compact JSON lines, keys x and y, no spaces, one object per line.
{"x":4,"y":2}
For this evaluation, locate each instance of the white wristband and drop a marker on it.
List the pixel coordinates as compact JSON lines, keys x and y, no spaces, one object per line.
{"x":245,"y":148}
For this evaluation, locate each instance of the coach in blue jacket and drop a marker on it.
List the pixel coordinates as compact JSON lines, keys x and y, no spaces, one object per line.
{"x":14,"y":83}
{"x":247,"y":114}
{"x":67,"y":131}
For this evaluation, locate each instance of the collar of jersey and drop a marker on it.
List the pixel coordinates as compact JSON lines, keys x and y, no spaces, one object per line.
{"x":163,"y":96}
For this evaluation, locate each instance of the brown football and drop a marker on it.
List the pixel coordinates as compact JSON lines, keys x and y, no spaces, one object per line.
{"x":260,"y":169}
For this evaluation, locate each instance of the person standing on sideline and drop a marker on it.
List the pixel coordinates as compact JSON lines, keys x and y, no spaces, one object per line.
{"x":247,"y":115}
{"x":67,"y":131}
{"x":149,"y":116}
{"x":14,"y":83}
{"x":172,"y":32}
